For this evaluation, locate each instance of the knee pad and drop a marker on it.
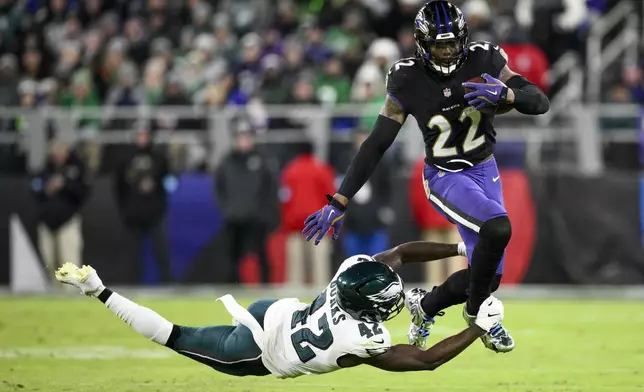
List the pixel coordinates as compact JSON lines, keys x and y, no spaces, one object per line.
{"x":497,"y":231}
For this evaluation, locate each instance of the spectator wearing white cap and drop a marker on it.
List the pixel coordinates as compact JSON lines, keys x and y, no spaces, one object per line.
{"x":381,"y":54}
{"x":479,"y":20}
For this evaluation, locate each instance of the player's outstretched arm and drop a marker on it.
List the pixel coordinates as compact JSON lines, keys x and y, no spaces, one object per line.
{"x":384,"y":132}
{"x":523,"y":95}
{"x":417,"y":252}
{"x":404,"y":357}
{"x":392,"y":117}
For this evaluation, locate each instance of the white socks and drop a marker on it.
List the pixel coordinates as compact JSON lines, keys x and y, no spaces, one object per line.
{"x":145,"y":321}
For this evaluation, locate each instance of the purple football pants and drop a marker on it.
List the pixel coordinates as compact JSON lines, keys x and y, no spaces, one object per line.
{"x":467,"y":198}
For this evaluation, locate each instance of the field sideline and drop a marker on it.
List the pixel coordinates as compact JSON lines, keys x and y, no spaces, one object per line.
{"x":75,"y":344}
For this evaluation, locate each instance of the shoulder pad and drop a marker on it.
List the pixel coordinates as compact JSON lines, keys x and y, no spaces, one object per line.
{"x":374,"y":340}
{"x":488,"y":52}
{"x":394,"y":80}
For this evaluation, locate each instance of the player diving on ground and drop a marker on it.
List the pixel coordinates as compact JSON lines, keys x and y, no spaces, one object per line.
{"x":343,"y":327}
{"x":460,"y":176}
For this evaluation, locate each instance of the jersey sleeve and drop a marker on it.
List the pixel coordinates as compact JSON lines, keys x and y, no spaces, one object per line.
{"x":489,"y":57}
{"x":353,"y":260}
{"x":375,"y":340}
{"x":396,"y":82}
{"x":499,"y":58}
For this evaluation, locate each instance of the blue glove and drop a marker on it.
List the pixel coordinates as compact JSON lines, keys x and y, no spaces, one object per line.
{"x":320,"y":222}
{"x":488,"y":94}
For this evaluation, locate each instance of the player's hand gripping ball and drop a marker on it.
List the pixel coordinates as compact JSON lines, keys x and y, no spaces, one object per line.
{"x":484,"y":94}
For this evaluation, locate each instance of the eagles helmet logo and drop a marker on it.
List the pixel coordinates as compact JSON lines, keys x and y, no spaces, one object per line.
{"x":389,"y":293}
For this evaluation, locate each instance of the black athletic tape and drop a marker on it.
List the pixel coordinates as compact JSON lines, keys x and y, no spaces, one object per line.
{"x":105,"y":295}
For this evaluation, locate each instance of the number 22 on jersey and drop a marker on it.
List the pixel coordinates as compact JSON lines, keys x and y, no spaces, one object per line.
{"x":439,"y":150}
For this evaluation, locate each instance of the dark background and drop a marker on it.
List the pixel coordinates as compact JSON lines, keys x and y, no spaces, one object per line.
{"x":582,"y":231}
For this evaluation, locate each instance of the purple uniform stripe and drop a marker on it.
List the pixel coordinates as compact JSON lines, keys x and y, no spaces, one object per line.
{"x":438,"y":20}
{"x":446,"y":18}
{"x":397,"y":101}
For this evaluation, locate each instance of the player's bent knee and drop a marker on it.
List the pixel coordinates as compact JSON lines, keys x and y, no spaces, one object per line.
{"x":497,"y":230}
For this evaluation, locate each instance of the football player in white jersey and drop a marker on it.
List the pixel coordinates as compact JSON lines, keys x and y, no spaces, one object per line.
{"x":343,"y":327}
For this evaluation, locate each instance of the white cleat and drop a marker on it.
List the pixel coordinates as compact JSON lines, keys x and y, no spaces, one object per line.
{"x":85,"y":278}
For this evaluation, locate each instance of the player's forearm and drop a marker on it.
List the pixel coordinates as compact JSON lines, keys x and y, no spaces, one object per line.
{"x":443,"y":351}
{"x":525,"y":97}
{"x":423,"y":251}
{"x":416,"y":252}
{"x":370,"y":153}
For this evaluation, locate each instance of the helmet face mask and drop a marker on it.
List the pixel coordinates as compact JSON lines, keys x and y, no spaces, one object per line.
{"x":370,"y":292}
{"x":441,"y":37}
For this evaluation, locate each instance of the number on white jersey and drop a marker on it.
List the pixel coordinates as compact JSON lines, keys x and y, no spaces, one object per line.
{"x":304,"y":338}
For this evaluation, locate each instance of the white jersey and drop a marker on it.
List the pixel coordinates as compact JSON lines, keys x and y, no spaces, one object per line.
{"x":309,"y":339}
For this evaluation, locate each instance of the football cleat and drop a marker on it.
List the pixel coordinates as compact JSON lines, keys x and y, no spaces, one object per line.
{"x":85,"y":278}
{"x":497,"y":339}
{"x":421,"y":325}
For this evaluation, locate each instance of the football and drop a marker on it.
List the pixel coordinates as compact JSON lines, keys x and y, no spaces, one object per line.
{"x":501,"y":109}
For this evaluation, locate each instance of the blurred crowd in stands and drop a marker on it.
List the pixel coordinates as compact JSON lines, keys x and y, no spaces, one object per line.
{"x":211,"y":53}
{"x":214,"y":52}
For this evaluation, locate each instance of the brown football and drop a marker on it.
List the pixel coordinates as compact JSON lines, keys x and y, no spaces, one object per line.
{"x":501,"y":109}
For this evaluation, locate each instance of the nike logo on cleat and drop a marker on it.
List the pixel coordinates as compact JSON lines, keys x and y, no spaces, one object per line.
{"x":492,"y":315}
{"x":381,"y":341}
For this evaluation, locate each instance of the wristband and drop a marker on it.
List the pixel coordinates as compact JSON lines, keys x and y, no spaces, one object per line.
{"x":334,"y":203}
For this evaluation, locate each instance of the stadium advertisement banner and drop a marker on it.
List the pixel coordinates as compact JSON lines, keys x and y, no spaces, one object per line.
{"x":566,"y":229}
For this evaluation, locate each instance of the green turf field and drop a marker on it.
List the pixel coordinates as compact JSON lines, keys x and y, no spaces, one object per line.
{"x":76,"y":344}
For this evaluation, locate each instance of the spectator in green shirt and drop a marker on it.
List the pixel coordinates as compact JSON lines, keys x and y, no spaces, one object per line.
{"x":332,"y":85}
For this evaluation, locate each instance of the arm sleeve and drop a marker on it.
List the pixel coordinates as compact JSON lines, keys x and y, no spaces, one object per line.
{"x":383,"y":135}
{"x":371,"y":151}
{"x":528,"y":99}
